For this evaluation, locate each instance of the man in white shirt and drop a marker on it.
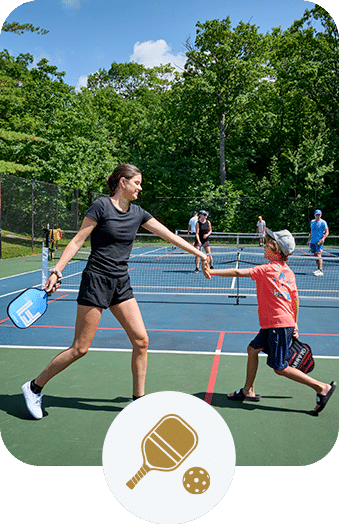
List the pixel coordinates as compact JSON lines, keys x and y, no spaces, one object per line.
{"x":191,"y":224}
{"x":261,"y":226}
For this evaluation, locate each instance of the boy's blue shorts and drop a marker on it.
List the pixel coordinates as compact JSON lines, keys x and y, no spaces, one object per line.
{"x":275,"y":342}
{"x":315,"y":248}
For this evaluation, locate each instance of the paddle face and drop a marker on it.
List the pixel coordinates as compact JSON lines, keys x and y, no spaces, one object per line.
{"x":26,"y":308}
{"x":300,"y":356}
{"x":169,"y":443}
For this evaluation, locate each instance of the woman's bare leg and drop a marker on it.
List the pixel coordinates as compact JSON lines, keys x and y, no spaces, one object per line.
{"x":129,"y":316}
{"x":87,"y":322}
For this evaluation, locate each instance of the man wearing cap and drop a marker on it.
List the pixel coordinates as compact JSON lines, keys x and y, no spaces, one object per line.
{"x":319,"y":232}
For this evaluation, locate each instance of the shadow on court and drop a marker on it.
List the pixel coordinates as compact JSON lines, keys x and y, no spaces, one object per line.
{"x":14,"y":405}
{"x":221,"y":400}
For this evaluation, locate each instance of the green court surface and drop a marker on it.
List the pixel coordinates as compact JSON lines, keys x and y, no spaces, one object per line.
{"x":15,"y":266}
{"x":81,"y":403}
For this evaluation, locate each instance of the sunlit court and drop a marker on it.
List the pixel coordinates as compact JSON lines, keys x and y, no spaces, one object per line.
{"x":198,"y":330}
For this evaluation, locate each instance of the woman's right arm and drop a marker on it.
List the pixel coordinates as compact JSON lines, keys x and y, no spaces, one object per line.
{"x":70,"y":251}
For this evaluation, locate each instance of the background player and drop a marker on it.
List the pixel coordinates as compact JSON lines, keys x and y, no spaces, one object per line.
{"x":319,"y":232}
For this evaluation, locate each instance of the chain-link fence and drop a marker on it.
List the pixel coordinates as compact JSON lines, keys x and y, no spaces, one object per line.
{"x":29,"y":207}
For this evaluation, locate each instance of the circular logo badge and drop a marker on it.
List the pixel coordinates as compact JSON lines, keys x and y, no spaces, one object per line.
{"x":169,"y":457}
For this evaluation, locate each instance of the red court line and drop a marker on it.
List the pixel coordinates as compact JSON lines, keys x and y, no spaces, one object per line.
{"x":49,"y":301}
{"x":58,"y":298}
{"x":214,"y":371}
{"x":231,"y":332}
{"x":306,"y":252}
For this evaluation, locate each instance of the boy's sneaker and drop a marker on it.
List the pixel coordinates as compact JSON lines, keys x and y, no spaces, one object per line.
{"x":33,"y":401}
{"x":318,"y":273}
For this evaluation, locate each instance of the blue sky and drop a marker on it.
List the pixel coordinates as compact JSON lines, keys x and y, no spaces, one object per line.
{"x":86,"y":35}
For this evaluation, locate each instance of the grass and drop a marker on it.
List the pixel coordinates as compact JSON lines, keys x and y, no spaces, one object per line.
{"x":14,"y":245}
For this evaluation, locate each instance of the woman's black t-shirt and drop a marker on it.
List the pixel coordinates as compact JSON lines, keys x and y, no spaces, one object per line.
{"x":203,"y":229}
{"x":112,"y":238}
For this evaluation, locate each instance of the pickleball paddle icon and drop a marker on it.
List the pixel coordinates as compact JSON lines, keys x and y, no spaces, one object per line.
{"x":166,"y":446}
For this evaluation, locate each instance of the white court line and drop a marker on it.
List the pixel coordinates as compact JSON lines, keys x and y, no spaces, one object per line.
{"x":168,"y":352}
{"x":146,"y":252}
{"x":21,"y":274}
{"x":18,"y":291}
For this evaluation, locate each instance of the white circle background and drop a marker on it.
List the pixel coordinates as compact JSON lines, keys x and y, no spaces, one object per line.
{"x":160,"y":496}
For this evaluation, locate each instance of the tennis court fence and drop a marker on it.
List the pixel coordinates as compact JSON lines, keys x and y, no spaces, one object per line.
{"x":156,"y":267}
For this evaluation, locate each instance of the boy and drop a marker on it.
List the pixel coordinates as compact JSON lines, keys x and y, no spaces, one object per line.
{"x":278,"y":306}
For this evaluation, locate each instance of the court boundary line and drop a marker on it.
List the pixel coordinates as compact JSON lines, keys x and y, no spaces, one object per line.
{"x":21,"y":274}
{"x":214,"y":370}
{"x":165,"y":351}
{"x":170,"y":330}
{"x":19,"y":291}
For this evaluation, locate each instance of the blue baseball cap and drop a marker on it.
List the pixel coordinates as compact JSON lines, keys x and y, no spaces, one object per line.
{"x":203,"y":212}
{"x":317,"y":212}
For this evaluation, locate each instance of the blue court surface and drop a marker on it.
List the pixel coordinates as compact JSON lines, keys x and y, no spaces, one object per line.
{"x":199,"y":332}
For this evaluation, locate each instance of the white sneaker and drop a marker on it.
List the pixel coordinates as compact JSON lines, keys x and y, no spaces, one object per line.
{"x":318,"y":273}
{"x":33,"y":401}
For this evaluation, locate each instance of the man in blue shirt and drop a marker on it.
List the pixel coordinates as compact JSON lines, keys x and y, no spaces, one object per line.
{"x":319,"y":232}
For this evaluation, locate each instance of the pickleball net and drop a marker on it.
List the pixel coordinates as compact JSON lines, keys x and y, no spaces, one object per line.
{"x":160,"y":268}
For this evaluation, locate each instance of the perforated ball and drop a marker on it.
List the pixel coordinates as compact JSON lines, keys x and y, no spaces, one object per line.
{"x":196,"y":481}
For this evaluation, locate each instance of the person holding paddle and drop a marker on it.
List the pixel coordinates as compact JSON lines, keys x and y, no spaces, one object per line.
{"x":203,"y":229}
{"x":278,"y":305}
{"x":112,"y":221}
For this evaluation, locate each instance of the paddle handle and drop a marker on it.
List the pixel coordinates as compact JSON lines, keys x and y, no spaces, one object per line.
{"x":138,"y":476}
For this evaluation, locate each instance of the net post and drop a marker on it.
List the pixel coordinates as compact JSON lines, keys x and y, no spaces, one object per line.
{"x":32,"y":216}
{"x":238,"y":260}
{"x":44,"y":265}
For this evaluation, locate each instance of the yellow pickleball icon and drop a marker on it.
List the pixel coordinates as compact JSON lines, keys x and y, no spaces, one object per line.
{"x":196,"y":481}
{"x":166,"y":446}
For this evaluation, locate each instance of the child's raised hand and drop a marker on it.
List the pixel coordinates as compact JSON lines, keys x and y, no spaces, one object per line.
{"x":206,"y":269}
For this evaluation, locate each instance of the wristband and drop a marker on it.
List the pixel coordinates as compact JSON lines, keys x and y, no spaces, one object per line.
{"x":56,"y":272}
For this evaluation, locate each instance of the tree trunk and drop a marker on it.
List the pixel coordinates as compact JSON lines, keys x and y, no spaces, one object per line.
{"x":222,"y":149}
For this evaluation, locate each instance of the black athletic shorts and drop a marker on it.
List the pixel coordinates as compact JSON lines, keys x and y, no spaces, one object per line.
{"x":205,"y":244}
{"x":103,"y":291}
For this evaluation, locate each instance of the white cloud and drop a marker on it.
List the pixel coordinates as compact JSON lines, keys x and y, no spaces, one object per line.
{"x":82,"y":82}
{"x":70,"y":4}
{"x":152,"y":54}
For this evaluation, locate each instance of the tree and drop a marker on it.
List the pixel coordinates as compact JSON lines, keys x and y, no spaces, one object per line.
{"x":19,"y":29}
{"x":14,"y":145}
{"x":130,"y":79}
{"x":230,"y":64}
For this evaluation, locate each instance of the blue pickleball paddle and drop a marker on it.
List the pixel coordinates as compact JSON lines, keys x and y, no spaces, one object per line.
{"x":28,"y":307}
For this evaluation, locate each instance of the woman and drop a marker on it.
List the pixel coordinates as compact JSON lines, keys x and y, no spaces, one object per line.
{"x":203,"y":229}
{"x":113,"y":223}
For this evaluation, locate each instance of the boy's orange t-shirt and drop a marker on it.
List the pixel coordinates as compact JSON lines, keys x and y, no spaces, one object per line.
{"x":276,"y":294}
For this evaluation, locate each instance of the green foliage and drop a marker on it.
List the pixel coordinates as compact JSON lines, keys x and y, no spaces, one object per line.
{"x":8,"y":168}
{"x":249,"y":128}
{"x":19,"y":29}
